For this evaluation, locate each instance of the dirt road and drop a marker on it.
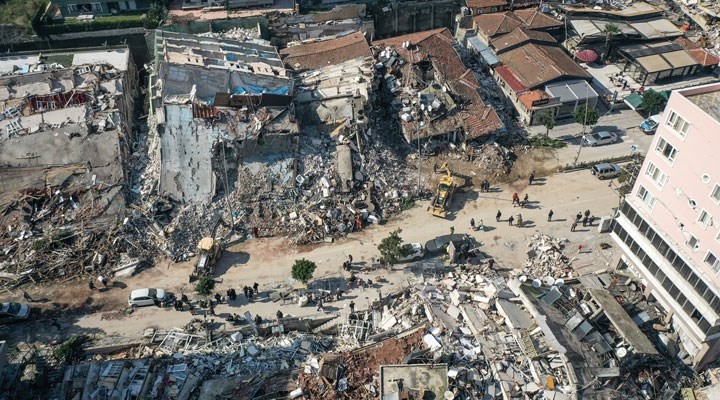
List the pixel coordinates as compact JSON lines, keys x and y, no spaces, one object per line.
{"x":268,"y":260}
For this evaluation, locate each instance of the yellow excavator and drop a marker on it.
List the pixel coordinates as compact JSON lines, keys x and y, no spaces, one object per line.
{"x":443,"y":196}
{"x":209,"y":251}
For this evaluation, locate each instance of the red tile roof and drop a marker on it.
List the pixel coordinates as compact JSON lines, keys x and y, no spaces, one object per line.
{"x":534,"y":19}
{"x":535,"y":65}
{"x":528,"y":98}
{"x":326,"y":52}
{"x":497,"y":23}
{"x":473,"y":4}
{"x":506,"y":73}
{"x":437,"y":46}
{"x":411,"y":37}
{"x":520,"y":36}
{"x":704,"y":57}
{"x":700,"y":55}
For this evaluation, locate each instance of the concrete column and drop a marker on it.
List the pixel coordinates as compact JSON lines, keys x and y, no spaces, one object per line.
{"x":432,"y":15}
{"x":415,"y":21}
{"x":395,"y":10}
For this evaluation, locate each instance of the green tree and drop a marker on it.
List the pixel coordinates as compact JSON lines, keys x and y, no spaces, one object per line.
{"x":303,"y":270}
{"x":652,"y":102}
{"x":610,"y":30}
{"x":205,"y":285}
{"x":586,"y":116}
{"x":391,"y":247}
{"x":154,"y":16}
{"x":547,"y":119}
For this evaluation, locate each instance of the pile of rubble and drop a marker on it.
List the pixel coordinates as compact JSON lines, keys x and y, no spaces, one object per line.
{"x":304,"y":198}
{"x":546,"y":260}
{"x":237,"y":33}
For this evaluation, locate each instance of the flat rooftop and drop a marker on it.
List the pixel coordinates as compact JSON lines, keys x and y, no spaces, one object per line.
{"x":707,"y":98}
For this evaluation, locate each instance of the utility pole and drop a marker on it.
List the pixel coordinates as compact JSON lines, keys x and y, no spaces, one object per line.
{"x":587,"y":93}
{"x":419,"y":161}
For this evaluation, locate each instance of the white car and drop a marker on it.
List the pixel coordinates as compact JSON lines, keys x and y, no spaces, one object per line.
{"x":146,"y":297}
{"x":414,"y":251}
{"x":13,"y":312}
{"x":600,"y":138}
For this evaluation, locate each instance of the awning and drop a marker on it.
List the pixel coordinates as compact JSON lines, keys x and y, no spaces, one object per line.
{"x":586,"y":55}
{"x":634,"y":100}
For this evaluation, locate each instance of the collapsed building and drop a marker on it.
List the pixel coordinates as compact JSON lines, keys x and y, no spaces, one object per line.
{"x":344,"y":18}
{"x":432,"y":91}
{"x":65,"y":146}
{"x":464,"y":331}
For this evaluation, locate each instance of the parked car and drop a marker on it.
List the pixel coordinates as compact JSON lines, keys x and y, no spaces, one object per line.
{"x":649,"y":126}
{"x":415,"y":251}
{"x":599,"y":138}
{"x":606,"y":170}
{"x":146,"y":297}
{"x":441,"y":242}
{"x":11,"y":312}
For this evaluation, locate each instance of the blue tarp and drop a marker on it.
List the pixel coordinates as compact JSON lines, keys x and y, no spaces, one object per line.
{"x":253,"y":89}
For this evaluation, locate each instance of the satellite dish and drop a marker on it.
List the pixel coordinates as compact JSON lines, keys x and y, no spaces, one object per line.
{"x":621,"y":352}
{"x":559,"y":282}
{"x":548,"y":281}
{"x":523,"y":279}
{"x":536,"y":283}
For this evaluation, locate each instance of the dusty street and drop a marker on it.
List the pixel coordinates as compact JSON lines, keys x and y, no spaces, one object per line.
{"x":268,"y":260}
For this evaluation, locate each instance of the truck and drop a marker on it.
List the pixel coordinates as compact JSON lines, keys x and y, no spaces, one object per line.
{"x":209,"y":251}
{"x":443,"y":195}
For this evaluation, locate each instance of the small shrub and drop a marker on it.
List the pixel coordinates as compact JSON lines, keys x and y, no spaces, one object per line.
{"x":303,"y":270}
{"x":205,"y":285}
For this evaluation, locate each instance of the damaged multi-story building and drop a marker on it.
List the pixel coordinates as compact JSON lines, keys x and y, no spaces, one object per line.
{"x":65,"y":126}
{"x":215,"y":101}
{"x":66,"y":144}
{"x":434,"y":93}
{"x":666,"y":228}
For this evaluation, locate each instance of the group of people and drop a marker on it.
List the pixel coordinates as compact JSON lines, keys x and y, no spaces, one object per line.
{"x":516,"y":200}
{"x":585,"y":218}
{"x":485,"y":186}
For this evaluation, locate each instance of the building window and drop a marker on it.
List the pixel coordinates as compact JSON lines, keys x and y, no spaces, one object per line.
{"x":715,"y":194}
{"x":692,"y":242}
{"x":666,"y":150}
{"x":84,"y":7}
{"x":646,"y":197}
{"x":712,"y":261}
{"x":704,"y":218}
{"x":678,"y":124}
{"x":654,"y":173}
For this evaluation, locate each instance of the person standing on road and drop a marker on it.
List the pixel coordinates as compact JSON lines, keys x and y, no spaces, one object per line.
{"x":255,"y":287}
{"x":491,"y":263}
{"x":472,"y":223}
{"x":510,"y":220}
{"x":578,"y":217}
{"x":515,"y":199}
{"x":352,"y":307}
{"x":279,"y":314}
{"x":573,"y":226}
{"x":587,"y":213}
{"x":320,"y":305}
{"x":245,"y":290}
{"x":532,"y":177}
{"x":585,"y":221}
{"x":550,"y":214}
{"x":497,"y":216}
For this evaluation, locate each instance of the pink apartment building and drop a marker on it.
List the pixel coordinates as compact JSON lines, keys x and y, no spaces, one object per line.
{"x":667,"y":229}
